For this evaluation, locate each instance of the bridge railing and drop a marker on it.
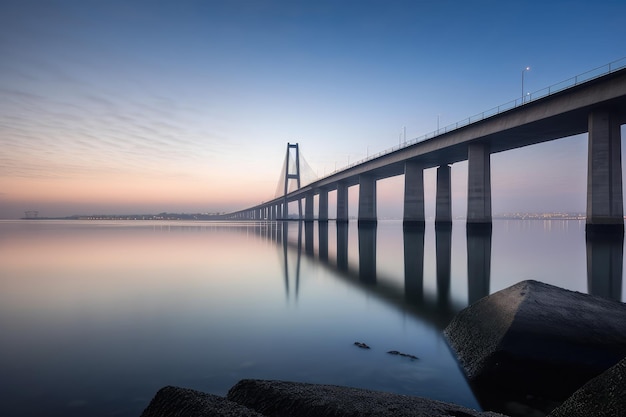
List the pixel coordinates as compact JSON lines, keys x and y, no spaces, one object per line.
{"x":544,"y":92}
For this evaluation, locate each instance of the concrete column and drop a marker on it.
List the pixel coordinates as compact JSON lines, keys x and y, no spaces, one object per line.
{"x":299,"y":208}
{"x":308,"y":207}
{"x":322,"y":214}
{"x":443,"y":209}
{"x":479,"y":186}
{"x":605,"y":205}
{"x":367,"y":199}
{"x":342,"y":203}
{"x":413,"y":193}
{"x":279,"y":211}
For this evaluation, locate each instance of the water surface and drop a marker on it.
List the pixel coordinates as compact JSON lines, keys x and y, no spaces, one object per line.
{"x":96,"y":316}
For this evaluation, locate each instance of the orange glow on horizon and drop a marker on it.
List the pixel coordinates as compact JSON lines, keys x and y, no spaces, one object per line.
{"x":162,"y":194}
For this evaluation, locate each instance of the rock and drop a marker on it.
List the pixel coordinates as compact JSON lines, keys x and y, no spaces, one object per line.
{"x":406,"y":355}
{"x":173,"y":402}
{"x":603,"y":396}
{"x":282,"y":399}
{"x":362,"y":345}
{"x":535,"y":344}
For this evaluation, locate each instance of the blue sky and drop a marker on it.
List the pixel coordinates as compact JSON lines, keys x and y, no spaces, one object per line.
{"x":149,"y":106}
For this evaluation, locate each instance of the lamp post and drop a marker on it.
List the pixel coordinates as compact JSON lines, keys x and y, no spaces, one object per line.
{"x":523,"y":71}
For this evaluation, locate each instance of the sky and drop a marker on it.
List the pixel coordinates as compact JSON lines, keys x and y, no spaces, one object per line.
{"x":146,"y":106}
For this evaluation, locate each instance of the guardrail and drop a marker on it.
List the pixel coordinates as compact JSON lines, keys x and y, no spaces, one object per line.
{"x":530,"y":97}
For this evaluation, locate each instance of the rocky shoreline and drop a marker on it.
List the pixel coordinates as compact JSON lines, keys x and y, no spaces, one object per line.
{"x":529,"y":350}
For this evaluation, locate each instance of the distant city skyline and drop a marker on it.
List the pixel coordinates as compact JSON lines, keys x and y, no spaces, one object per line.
{"x":187,"y":106}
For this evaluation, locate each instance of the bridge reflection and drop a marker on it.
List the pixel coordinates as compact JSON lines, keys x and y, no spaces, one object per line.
{"x":298,"y":239}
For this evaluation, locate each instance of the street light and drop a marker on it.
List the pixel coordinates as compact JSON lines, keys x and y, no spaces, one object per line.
{"x":523,"y":71}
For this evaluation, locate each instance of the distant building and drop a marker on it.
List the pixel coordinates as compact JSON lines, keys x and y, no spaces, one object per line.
{"x":31,"y":214}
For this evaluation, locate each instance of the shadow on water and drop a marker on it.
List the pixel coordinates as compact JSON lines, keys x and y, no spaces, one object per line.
{"x":436,"y":310}
{"x":604,"y":263}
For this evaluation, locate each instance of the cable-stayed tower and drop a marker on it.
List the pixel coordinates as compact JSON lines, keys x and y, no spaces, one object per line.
{"x":292,"y":172}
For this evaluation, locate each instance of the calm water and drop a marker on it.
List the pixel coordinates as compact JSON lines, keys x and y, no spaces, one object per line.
{"x":95,"y":317}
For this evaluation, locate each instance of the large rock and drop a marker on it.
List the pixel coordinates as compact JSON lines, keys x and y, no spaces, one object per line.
{"x":174,"y":402}
{"x":535,"y":344}
{"x":603,"y":396}
{"x":286,"y":399}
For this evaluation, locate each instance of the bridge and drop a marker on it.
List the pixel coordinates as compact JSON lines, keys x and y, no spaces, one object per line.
{"x":594,"y":102}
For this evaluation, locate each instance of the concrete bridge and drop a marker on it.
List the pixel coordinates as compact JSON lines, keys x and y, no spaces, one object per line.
{"x":596,"y":106}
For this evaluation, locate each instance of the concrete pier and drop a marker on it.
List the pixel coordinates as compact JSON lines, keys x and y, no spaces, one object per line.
{"x":414,"y":193}
{"x":367,"y":199}
{"x":342,"y":202}
{"x":322,"y":214}
{"x":443,"y":210}
{"x":605,"y":203}
{"x":479,"y":186}
{"x":308,"y":207}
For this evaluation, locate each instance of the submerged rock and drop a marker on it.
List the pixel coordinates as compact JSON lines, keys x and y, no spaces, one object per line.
{"x":406,"y":355}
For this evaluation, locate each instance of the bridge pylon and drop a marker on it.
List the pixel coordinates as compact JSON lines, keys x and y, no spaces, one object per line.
{"x":289,"y":175}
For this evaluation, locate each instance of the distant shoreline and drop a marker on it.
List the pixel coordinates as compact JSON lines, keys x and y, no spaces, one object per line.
{"x":160,"y":216}
{"x":217,"y":216}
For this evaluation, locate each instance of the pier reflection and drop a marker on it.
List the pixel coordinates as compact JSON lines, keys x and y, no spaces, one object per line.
{"x":410,"y":297}
{"x":309,"y":238}
{"x":367,"y":253}
{"x":299,"y":238}
{"x":342,"y":246}
{"x":323,"y":241}
{"x":605,"y":263}
{"x":413,"y":263}
{"x":478,"y":263}
{"x":284,"y":233}
{"x":443,"y":245}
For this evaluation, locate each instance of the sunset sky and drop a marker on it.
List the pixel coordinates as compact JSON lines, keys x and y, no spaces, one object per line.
{"x":144,"y":106}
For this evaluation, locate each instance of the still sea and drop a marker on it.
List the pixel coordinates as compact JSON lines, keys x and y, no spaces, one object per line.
{"x":96,"y":316}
